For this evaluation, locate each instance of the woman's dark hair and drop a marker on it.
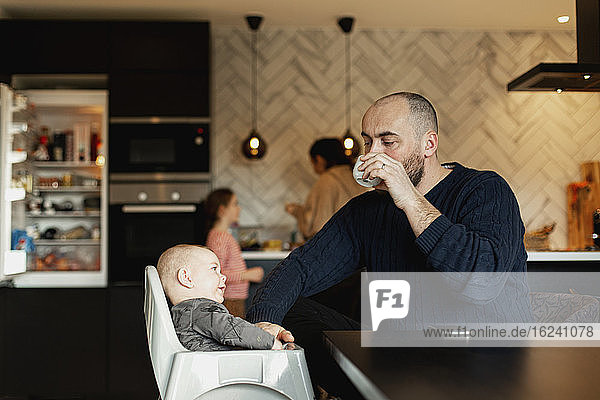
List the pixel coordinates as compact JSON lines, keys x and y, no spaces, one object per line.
{"x":217,"y":198}
{"x":332,"y":150}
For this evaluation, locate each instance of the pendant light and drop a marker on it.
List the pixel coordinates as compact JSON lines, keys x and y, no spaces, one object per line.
{"x":254,"y":147}
{"x":351,"y":146}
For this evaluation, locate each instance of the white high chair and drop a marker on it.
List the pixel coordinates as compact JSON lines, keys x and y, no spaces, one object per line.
{"x":242,"y":374}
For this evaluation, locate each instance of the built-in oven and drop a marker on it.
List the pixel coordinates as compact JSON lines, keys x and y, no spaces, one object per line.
{"x":159,"y":145}
{"x":146,"y":218}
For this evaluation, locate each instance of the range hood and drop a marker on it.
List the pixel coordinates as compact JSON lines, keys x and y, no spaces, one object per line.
{"x":583,"y":76}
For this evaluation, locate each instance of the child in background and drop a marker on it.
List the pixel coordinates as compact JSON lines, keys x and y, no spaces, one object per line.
{"x":191,"y":277}
{"x":222,"y":209}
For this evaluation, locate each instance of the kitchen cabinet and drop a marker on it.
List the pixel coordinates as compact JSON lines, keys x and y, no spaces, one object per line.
{"x":54,"y":342}
{"x":160,"y":46}
{"x":75,"y":344}
{"x":159,"y":69}
{"x":130,"y":374}
{"x":54,"y":47}
{"x":154,"y":68}
{"x":3,"y":360}
{"x":169,"y":94}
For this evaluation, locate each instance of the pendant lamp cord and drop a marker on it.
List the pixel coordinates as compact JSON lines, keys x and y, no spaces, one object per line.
{"x":348,"y":88}
{"x":254,"y":80}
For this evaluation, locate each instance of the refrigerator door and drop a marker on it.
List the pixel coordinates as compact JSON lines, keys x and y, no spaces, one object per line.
{"x":12,"y":262}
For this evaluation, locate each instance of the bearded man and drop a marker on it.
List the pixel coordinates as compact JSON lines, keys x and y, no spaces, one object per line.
{"x":425,"y":216}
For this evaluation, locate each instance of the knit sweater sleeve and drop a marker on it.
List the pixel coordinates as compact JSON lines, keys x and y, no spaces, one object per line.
{"x":486,"y":237}
{"x":329,"y":257}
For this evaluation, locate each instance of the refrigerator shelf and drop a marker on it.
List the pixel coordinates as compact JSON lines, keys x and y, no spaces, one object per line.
{"x":62,"y":189}
{"x":65,"y":164}
{"x":23,"y":115}
{"x":66,"y":214}
{"x":16,"y":262}
{"x":15,"y":194}
{"x":20,"y":128}
{"x":15,"y":157}
{"x":73,"y":242}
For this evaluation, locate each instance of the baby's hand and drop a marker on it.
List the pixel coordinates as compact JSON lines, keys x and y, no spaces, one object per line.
{"x":277,"y":345}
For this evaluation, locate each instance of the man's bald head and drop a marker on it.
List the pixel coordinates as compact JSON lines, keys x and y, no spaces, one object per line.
{"x":421,"y":114}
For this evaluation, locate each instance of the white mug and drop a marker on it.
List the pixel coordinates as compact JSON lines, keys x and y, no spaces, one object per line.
{"x":358,"y":176}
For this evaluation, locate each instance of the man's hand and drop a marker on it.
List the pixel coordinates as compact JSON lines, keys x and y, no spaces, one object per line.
{"x":395,"y":180}
{"x":279,"y":332}
{"x":394,"y":177}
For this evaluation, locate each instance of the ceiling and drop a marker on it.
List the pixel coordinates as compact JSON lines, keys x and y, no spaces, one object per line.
{"x":399,"y":14}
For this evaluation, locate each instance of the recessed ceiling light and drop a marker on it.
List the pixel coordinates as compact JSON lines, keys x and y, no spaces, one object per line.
{"x":587,"y":76}
{"x":563,"y":19}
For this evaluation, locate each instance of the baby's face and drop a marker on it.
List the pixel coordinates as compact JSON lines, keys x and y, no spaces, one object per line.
{"x":209,"y":282}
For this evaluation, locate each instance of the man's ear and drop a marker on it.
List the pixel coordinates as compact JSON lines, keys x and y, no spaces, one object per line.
{"x":184,"y":277}
{"x":431,"y":143}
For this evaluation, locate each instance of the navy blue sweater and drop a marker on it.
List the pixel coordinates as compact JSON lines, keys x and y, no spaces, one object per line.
{"x":480,"y":230}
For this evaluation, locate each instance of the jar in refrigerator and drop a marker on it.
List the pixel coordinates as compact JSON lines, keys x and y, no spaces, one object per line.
{"x":25,"y":180}
{"x":67,"y":180}
{"x":41,"y":152}
{"x":58,"y":147}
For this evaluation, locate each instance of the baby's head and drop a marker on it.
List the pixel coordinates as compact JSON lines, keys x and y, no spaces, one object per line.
{"x":188,"y":271}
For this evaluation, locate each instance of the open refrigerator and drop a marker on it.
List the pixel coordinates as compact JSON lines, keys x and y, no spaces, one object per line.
{"x":53,"y":188}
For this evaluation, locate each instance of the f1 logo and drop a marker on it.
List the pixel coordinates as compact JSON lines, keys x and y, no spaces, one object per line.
{"x":389,"y":299}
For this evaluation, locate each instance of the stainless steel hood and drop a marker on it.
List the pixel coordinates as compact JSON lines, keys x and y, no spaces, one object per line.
{"x":583,"y":76}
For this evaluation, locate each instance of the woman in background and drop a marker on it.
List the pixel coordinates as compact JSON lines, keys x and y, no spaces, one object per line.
{"x":333,"y":189}
{"x":222,"y":210}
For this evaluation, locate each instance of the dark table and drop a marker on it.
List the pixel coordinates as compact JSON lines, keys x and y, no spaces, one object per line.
{"x":467,"y":373}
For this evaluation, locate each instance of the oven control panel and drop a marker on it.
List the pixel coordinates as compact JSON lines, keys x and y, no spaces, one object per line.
{"x":158,"y":193}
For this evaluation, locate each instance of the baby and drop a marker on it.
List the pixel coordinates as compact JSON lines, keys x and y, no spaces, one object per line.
{"x":191,"y":277}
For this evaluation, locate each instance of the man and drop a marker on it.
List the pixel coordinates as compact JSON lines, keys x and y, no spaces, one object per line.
{"x":426,"y":216}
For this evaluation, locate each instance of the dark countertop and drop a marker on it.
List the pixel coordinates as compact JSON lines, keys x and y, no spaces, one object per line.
{"x":467,"y":373}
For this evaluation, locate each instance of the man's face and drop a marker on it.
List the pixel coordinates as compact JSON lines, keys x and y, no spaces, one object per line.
{"x":206,"y":274}
{"x":386,"y":129}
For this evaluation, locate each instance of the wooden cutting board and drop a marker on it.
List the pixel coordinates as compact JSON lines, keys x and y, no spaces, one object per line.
{"x":590,"y":172}
{"x":583,"y":198}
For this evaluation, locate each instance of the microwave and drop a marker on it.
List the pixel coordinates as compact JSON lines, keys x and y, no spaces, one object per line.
{"x":174,"y":146}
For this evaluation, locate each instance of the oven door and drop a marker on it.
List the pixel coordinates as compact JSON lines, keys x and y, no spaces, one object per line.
{"x":180,"y":146}
{"x":139,"y":233}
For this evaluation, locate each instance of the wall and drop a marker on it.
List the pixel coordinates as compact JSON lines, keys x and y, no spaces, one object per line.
{"x":536,"y":141}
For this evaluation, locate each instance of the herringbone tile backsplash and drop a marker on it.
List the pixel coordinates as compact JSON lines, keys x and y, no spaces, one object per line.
{"x":535,"y":140}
